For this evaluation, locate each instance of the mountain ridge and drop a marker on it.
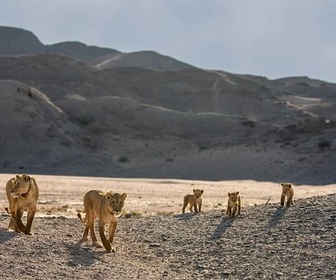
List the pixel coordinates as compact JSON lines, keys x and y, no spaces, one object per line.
{"x":20,"y":41}
{"x":189,"y":123}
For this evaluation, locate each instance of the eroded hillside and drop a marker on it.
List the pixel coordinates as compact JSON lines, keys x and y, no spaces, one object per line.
{"x":74,"y":118}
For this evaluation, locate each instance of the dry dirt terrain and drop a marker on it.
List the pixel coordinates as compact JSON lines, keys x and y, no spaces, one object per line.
{"x":157,"y":242}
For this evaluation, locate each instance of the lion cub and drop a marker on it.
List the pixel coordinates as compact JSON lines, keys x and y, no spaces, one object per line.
{"x":194,"y":200}
{"x":287,"y":191}
{"x":233,"y":204}
{"x":107,"y":208}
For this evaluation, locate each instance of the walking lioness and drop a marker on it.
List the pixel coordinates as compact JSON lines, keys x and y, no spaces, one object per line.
{"x":194,"y":201}
{"x":22,"y":194}
{"x":107,"y":208}
{"x":287,"y":191}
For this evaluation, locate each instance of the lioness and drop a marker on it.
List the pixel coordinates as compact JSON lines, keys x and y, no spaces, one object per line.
{"x":22,"y":194}
{"x":107,"y":208}
{"x":234,"y":204}
{"x":287,"y":190}
{"x":194,"y":200}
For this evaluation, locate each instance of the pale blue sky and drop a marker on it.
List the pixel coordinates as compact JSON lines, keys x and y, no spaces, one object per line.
{"x":272,"y":38}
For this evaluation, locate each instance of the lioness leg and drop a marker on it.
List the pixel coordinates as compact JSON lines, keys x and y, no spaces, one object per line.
{"x":191,"y":207}
{"x":87,"y":227}
{"x":90,"y":226}
{"x":30,"y":217}
{"x":239,"y":205}
{"x":112,"y":229}
{"x":289,"y":201}
{"x":18,"y":217}
{"x":12,"y":224}
{"x":106,"y":243}
{"x":86,"y":232}
{"x":11,"y":211}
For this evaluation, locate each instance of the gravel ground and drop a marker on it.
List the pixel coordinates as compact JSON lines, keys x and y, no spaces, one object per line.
{"x":265,"y":242}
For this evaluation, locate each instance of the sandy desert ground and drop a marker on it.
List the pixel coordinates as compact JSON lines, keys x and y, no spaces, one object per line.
{"x":152,"y":243}
{"x":62,"y":195}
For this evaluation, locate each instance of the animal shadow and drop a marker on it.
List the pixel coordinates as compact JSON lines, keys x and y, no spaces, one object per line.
{"x":185,"y":216}
{"x":222,"y":227}
{"x":82,"y":256}
{"x":277,"y":216}
{"x":6,"y":235}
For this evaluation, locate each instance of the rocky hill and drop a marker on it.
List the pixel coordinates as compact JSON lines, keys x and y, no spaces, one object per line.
{"x":265,"y":242}
{"x":65,"y":114}
{"x":19,"y":41}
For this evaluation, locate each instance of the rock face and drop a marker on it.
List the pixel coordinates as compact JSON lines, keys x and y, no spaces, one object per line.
{"x":94,"y":113}
{"x":265,"y":242}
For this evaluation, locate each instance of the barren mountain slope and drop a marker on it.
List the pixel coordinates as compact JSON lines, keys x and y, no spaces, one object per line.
{"x":188,"y":124}
{"x":135,"y":122}
{"x":35,"y":133}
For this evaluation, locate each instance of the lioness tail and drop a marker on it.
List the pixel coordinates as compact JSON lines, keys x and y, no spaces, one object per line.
{"x":80,"y":218}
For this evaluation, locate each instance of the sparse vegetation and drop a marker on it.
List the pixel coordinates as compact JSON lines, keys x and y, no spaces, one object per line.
{"x":133,"y":214}
{"x":165,"y":213}
{"x":85,"y":119}
{"x":26,"y":90}
{"x":248,"y":123}
{"x":96,"y":127}
{"x":324,"y":144}
{"x":123,"y":159}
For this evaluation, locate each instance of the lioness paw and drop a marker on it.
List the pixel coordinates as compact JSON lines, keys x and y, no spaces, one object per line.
{"x":97,"y":245}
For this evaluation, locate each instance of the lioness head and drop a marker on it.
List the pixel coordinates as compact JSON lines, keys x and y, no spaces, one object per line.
{"x":233,"y":196}
{"x":20,"y":185}
{"x":286,"y":187}
{"x":198,"y":193}
{"x":115,"y":202}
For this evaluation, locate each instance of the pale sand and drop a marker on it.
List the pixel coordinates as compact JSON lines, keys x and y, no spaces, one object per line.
{"x":62,"y":195}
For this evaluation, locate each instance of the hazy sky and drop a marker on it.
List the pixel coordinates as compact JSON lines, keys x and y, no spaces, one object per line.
{"x":272,"y":38}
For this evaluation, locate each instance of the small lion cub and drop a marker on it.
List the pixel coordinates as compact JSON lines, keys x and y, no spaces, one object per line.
{"x":287,"y":190}
{"x":194,"y":200}
{"x":233,"y":204}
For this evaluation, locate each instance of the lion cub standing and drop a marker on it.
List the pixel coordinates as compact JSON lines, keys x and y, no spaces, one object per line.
{"x":234,"y":204}
{"x":107,"y":208}
{"x":287,"y":191}
{"x":194,"y":200}
{"x":22,"y":194}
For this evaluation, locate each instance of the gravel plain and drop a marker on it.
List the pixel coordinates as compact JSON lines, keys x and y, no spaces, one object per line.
{"x":265,"y":242}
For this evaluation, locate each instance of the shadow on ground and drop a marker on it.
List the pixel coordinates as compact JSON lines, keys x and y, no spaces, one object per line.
{"x":222,"y":227}
{"x":277,"y":216}
{"x":82,"y":255}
